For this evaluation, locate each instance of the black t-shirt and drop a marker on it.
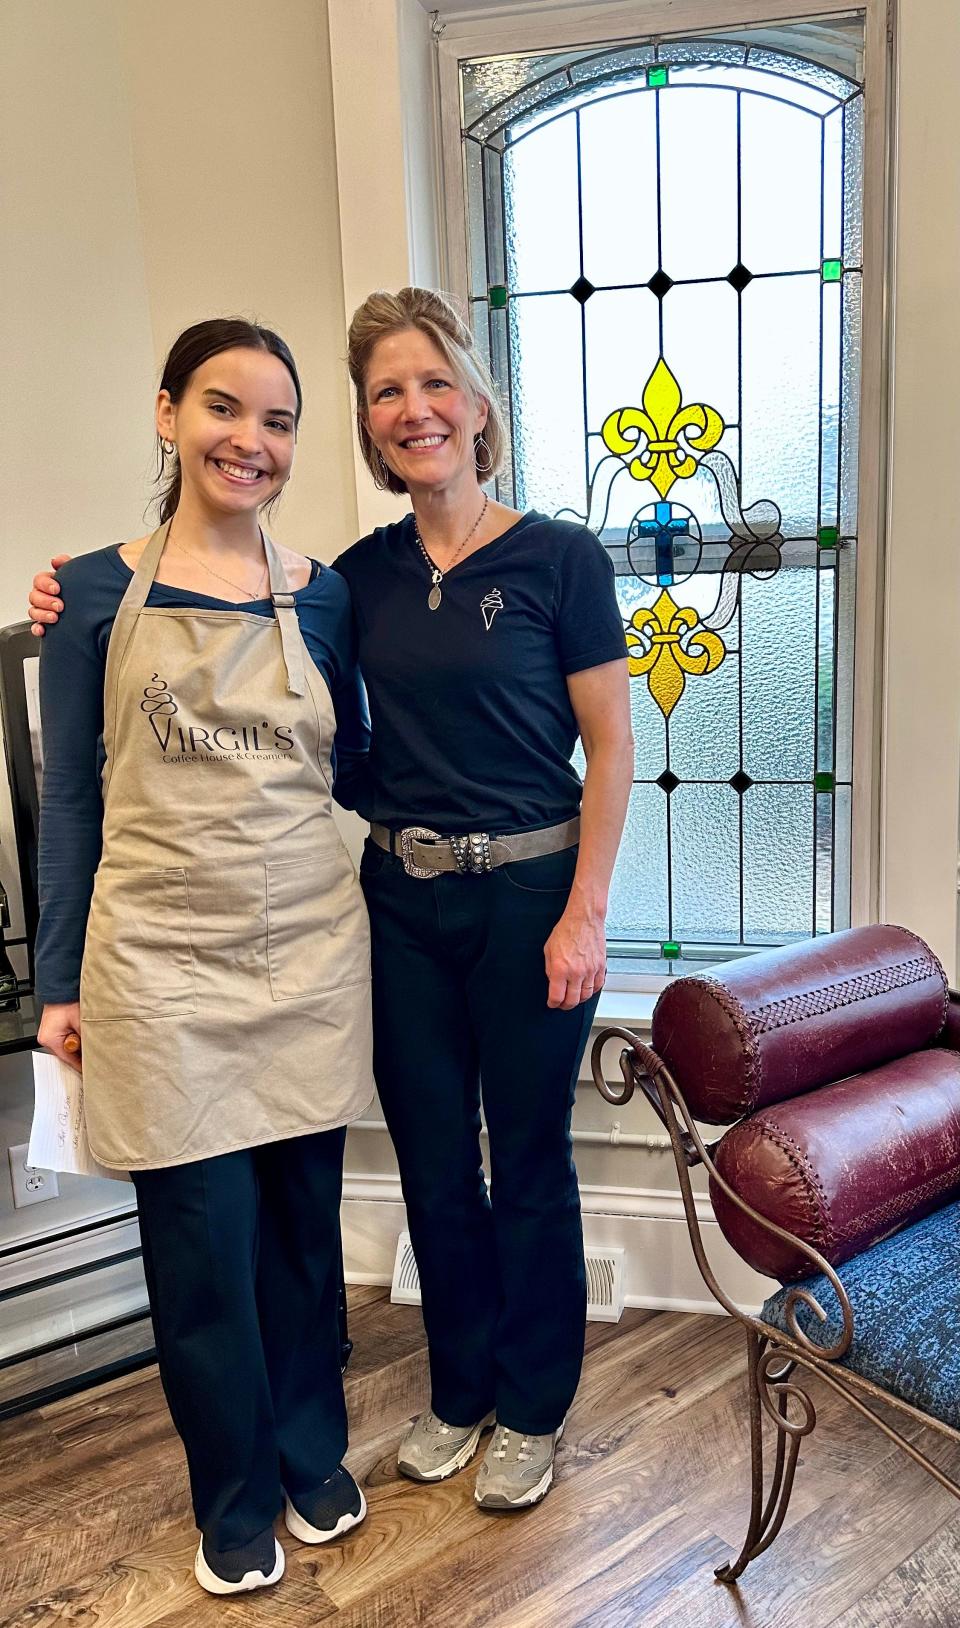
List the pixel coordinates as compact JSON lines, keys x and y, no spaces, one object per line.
{"x":472,"y":723}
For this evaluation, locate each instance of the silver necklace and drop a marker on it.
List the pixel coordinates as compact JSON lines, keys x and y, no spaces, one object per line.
{"x":436,"y":575}
{"x":239,"y":586}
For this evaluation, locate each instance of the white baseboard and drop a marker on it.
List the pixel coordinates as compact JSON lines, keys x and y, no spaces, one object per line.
{"x":647,"y":1223}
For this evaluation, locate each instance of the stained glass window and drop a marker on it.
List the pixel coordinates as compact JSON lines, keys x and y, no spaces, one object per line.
{"x":665,"y":258}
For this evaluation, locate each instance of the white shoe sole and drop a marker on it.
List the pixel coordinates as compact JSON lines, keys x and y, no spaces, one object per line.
{"x":533,"y":1496}
{"x":300,"y":1528}
{"x":212,"y":1584}
{"x":459,"y":1461}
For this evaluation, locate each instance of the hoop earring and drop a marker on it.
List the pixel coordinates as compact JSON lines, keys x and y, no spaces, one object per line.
{"x":169,"y":447}
{"x":381,"y":475}
{"x":482,"y":468}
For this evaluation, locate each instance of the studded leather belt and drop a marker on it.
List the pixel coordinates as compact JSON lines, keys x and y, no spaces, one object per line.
{"x":426,"y":853}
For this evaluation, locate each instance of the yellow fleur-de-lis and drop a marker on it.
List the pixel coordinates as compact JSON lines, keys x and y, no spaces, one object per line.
{"x":660,"y":422}
{"x":661,"y":654}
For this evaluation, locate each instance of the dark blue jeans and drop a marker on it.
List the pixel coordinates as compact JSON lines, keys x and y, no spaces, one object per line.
{"x":459,"y":1012}
{"x":242,"y":1261}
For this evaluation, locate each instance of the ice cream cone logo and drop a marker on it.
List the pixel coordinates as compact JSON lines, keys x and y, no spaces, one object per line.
{"x":490,"y":604}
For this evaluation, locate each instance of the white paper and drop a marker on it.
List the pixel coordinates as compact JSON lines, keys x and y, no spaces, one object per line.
{"x":58,"y":1136}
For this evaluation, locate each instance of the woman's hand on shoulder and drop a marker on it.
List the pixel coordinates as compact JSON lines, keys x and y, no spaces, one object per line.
{"x":44,"y":606}
{"x":59,"y":1032}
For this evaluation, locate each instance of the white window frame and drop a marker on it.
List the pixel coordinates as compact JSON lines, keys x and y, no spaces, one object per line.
{"x":548,"y":28}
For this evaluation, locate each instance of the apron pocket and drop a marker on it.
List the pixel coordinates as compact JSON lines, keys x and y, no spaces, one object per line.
{"x":137,"y":959}
{"x":318,"y":938}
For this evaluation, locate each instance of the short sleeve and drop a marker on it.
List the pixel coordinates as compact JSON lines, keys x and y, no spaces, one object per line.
{"x":589,"y":626}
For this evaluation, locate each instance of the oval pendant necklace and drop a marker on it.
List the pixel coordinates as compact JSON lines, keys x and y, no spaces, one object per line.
{"x":436,"y":575}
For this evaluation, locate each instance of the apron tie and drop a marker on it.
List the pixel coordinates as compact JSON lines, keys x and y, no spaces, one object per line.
{"x":284,"y":607}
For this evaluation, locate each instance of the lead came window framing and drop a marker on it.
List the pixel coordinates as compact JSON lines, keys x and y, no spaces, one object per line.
{"x":762,"y":836}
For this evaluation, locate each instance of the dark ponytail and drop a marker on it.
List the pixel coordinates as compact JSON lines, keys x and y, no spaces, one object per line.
{"x":195,"y":346}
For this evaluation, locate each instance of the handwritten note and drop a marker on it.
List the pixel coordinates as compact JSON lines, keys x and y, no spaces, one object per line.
{"x":58,"y":1136}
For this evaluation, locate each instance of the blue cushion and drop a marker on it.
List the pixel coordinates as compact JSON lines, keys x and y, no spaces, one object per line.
{"x":905,"y":1296}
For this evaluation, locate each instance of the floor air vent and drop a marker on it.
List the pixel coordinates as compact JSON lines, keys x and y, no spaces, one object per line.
{"x":604,"y":1281}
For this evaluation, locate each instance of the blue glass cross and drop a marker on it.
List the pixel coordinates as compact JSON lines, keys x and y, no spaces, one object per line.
{"x":664,"y":530}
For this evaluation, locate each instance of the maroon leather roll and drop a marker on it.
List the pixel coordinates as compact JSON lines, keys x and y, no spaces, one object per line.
{"x":846,"y":1165}
{"x":787,"y":1020}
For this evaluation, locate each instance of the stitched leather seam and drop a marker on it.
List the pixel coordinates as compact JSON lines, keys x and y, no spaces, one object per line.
{"x":896,"y":1207}
{"x":824,"y":1237}
{"x":736,"y":1012}
{"x":846,"y":992}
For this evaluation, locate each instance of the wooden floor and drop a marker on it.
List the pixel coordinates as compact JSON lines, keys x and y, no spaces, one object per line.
{"x":651,"y":1495}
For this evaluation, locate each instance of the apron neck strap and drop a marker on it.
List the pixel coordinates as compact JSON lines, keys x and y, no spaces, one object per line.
{"x":284,"y":608}
{"x":284,"y":604}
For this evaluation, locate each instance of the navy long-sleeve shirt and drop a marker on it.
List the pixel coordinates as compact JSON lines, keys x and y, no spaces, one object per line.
{"x":71,"y":705}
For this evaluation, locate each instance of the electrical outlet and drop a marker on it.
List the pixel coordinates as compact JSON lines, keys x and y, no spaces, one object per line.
{"x":30,"y":1186}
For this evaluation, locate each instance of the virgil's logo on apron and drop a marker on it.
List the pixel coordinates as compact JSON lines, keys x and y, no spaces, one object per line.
{"x":191,"y":743}
{"x":489,"y":605}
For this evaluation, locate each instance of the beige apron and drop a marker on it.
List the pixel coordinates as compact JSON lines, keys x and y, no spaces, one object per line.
{"x":225,"y":990}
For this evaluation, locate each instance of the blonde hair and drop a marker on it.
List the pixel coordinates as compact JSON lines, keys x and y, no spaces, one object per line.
{"x":382,"y":314}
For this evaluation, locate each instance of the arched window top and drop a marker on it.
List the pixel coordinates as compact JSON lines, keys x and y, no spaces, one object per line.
{"x":506,"y":99}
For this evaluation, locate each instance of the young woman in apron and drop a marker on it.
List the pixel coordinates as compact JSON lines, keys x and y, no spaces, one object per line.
{"x":488,"y":641}
{"x":224,"y":1007}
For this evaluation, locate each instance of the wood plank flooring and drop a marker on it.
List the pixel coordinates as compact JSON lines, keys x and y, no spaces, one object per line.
{"x":651,"y":1494}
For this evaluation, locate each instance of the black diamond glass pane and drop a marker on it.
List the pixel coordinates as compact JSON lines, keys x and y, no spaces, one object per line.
{"x":582,"y":289}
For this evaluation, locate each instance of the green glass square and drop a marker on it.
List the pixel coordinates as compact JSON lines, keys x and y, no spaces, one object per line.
{"x":823,"y":780}
{"x":656,"y":78}
{"x":831,"y":271}
{"x":828,"y":536}
{"x":498,"y":297}
{"x":670,"y":950}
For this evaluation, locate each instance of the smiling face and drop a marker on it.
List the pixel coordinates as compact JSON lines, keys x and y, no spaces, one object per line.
{"x":420,"y":416}
{"x":235,"y":430}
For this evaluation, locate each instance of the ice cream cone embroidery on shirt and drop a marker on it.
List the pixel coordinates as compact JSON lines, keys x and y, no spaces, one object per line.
{"x":490,"y":604}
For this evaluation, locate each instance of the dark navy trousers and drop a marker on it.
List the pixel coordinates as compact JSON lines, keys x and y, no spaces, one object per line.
{"x":459,"y":1013}
{"x":242,"y":1260}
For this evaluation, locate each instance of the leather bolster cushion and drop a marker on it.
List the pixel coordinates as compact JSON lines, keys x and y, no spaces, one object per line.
{"x":788,"y":1020}
{"x":843,"y":1167}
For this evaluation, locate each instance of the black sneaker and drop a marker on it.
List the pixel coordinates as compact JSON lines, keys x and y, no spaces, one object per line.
{"x":327,"y":1513}
{"x":235,"y":1571}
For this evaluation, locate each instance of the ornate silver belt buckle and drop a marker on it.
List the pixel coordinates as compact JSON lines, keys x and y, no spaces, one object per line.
{"x":412,"y":834}
{"x":472,"y":853}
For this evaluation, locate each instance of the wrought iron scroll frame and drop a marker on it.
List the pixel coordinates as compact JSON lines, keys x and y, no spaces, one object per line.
{"x":772,"y":1356}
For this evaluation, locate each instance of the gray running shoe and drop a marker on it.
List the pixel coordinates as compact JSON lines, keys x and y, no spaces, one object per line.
{"x":517,"y":1470}
{"x":432,"y":1450}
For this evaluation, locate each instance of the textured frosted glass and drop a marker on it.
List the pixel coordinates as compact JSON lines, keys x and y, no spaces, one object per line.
{"x":853,"y":182}
{"x":638,"y":892}
{"x":705,"y":724}
{"x":508,"y":88}
{"x":831,"y":86}
{"x":698,"y":188}
{"x":781,"y":397}
{"x":846,"y":610}
{"x":542,"y":216}
{"x":778,"y":675}
{"x":493,"y":181}
{"x":826,"y":639}
{"x":707,"y":51}
{"x":780,"y":186}
{"x":700,"y":345}
{"x":750,"y":81}
{"x":833,"y":186}
{"x":623,"y":342}
{"x":778,"y":863}
{"x":476,"y":230}
{"x":705,"y":832}
{"x":824,"y":862}
{"x":841,"y":860}
{"x":547,"y":396}
{"x":612,"y":62}
{"x":831,"y":295}
{"x":850,"y":409}
{"x":619,"y":222}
